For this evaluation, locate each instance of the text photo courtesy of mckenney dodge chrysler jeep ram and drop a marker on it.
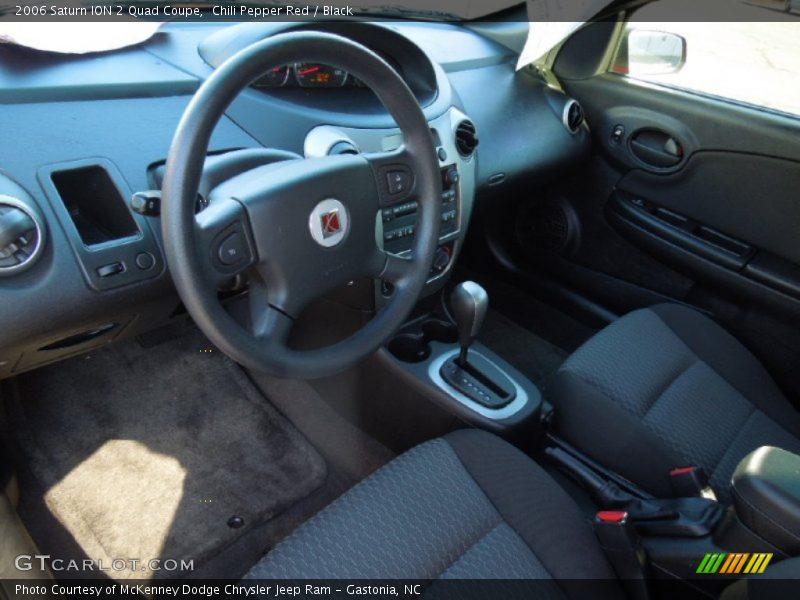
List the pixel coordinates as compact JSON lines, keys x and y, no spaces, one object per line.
{"x":456,"y":300}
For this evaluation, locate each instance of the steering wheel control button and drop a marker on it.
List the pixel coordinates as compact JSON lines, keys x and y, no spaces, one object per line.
{"x":395,"y":182}
{"x":329,"y":222}
{"x":398,"y":182}
{"x":145,"y":261}
{"x":110,"y":269}
{"x":232,"y":250}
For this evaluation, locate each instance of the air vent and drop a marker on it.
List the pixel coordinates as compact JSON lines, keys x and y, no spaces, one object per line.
{"x":573,"y":116}
{"x":342,"y":147}
{"x":466,"y":138}
{"x":21,"y":236}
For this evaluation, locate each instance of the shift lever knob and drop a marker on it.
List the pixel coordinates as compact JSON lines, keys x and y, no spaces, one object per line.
{"x":470,"y":303}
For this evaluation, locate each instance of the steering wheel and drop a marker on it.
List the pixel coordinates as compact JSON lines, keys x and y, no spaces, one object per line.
{"x":297,"y":228}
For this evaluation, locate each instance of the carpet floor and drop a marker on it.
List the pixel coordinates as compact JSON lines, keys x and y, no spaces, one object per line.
{"x":166,"y":452}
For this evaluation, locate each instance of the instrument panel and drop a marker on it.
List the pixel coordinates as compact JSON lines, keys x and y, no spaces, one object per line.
{"x":311,"y":75}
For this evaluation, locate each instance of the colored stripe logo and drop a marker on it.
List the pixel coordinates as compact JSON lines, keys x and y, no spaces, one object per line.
{"x":734,"y":563}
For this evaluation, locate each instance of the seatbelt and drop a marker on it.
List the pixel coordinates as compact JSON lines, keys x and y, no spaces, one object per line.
{"x":623,"y":548}
{"x":691,"y":481}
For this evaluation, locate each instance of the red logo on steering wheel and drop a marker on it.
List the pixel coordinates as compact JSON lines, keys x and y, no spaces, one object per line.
{"x":331,"y":224}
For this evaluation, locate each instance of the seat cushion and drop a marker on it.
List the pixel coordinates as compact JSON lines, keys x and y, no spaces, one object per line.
{"x":465,"y":506}
{"x":666,"y":387}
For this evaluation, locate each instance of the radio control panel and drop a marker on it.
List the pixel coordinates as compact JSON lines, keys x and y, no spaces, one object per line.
{"x":399,"y":220}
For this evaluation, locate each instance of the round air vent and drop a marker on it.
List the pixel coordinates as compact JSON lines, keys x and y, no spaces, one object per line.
{"x":466,"y":138}
{"x":573,"y":116}
{"x":21,"y":236}
{"x":343,"y":147}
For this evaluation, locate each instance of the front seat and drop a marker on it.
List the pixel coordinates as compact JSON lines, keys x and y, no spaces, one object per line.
{"x":666,"y":387}
{"x":465,"y":506}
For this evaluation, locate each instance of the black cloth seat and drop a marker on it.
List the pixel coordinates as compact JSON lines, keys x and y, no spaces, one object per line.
{"x":666,"y":387}
{"x":465,"y":506}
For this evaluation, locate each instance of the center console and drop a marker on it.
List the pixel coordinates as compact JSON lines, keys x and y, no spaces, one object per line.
{"x":439,"y":356}
{"x":693,"y":540}
{"x":766,"y":496}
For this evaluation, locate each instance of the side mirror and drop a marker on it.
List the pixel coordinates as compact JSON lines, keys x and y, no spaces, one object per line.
{"x":645,"y":52}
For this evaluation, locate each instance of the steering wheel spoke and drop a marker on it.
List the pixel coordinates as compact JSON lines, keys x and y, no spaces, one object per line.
{"x":396,"y":269}
{"x":266,"y":323}
{"x":394,"y":174}
{"x":223,"y":237}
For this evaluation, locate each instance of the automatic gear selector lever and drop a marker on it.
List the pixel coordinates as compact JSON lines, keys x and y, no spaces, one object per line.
{"x":471,"y":374}
{"x":469,"y":303}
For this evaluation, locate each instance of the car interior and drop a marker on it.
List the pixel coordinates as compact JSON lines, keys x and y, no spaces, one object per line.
{"x":369,"y":299}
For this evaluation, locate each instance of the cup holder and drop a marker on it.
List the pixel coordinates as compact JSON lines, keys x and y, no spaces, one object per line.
{"x":440,"y":331}
{"x":410,"y":347}
{"x":415,"y":346}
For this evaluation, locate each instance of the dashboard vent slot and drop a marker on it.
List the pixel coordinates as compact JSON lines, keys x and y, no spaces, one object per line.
{"x":466,"y":138}
{"x":574,"y":116}
{"x":21,"y":236}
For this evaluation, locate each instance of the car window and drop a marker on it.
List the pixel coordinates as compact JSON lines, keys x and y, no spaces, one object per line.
{"x":754,"y":62}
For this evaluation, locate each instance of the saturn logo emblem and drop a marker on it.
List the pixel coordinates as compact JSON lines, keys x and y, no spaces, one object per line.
{"x":329,"y":222}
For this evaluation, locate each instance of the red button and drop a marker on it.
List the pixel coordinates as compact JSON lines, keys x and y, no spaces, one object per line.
{"x":682,"y":471}
{"x":612,"y":516}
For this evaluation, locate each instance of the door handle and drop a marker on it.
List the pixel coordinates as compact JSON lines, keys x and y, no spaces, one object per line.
{"x":656,"y":148}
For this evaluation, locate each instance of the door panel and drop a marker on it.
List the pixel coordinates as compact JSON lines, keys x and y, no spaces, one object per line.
{"x":688,"y":198}
{"x":750,"y":197}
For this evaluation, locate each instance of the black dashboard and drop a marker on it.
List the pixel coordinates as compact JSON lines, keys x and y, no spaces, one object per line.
{"x":83,"y":133}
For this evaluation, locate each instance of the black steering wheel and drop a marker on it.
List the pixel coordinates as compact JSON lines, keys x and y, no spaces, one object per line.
{"x":297,"y":228}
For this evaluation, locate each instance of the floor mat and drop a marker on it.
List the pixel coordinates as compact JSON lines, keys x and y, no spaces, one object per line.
{"x":149,"y":453}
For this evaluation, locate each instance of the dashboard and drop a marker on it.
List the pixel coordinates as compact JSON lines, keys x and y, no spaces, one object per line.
{"x":84,"y":133}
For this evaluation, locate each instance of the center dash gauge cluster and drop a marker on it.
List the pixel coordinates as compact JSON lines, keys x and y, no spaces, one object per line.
{"x":310,"y":75}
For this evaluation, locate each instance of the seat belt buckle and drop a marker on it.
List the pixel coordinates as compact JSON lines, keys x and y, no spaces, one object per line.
{"x":623,"y":548}
{"x":689,"y":482}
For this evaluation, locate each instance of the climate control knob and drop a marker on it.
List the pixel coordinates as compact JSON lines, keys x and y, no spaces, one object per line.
{"x":440,"y":260}
{"x":451,"y":176}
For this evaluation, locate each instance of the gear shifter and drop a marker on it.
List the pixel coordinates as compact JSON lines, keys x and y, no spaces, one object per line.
{"x":473,"y":375}
{"x":470,"y":303}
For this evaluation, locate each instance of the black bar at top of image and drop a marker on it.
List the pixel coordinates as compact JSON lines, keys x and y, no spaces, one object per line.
{"x":425,"y":10}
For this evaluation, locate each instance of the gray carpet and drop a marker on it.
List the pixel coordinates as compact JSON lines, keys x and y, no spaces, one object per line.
{"x":350,"y":455}
{"x":147,"y":453}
